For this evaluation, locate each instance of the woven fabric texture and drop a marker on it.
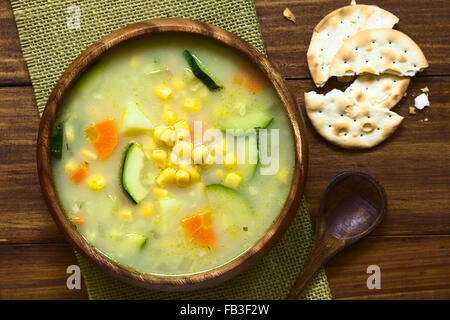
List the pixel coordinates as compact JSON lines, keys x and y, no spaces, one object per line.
{"x":54,"y":33}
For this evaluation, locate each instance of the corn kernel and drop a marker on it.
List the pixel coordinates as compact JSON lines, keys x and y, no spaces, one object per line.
{"x":193,"y":173}
{"x":210,"y":158}
{"x":182,"y":134}
{"x":220,"y":174}
{"x":159,"y":158}
{"x":183,"y":151}
{"x":199,"y":154}
{"x":232,"y":180}
{"x":160,"y":192}
{"x":148,"y":144}
{"x":158,"y":131}
{"x":78,"y":220}
{"x":182,"y":124}
{"x":69,"y":133}
{"x":70,"y":166}
{"x":126,"y":214}
{"x":88,"y":156}
{"x":182,"y":129}
{"x":163,"y":92}
{"x":169,"y":117}
{"x":190,"y":104}
{"x":282,"y":175}
{"x":168,"y":137}
{"x":229,"y":161}
{"x":182,"y":178}
{"x":166,"y":177}
{"x":178,"y":84}
{"x":147,"y":209}
{"x":96,"y":183}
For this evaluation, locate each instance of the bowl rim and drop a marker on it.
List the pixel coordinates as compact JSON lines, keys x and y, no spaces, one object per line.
{"x":244,"y":260}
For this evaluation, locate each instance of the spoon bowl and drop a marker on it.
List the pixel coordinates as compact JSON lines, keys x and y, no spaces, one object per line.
{"x":352,"y":206}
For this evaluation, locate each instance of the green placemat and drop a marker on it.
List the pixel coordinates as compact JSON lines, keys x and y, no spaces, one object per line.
{"x":53,"y":34}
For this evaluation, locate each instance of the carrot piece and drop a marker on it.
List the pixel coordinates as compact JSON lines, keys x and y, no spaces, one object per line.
{"x":79,"y":174}
{"x":200,"y":229}
{"x":78,"y":220}
{"x":192,"y":223}
{"x":104,"y":137}
{"x":250,"y":79}
{"x":205,"y":236}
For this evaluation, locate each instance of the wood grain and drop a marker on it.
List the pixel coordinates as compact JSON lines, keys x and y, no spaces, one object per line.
{"x":13,"y":70}
{"x":412,"y":166}
{"x":352,"y":206}
{"x":287,"y":43}
{"x":23,"y":215}
{"x":37,"y":272}
{"x":416,"y":191}
{"x":411,"y":268}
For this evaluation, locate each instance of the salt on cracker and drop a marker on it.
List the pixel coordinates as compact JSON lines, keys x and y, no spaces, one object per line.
{"x":383,"y":91}
{"x":339,"y":25}
{"x":378,"y":51}
{"x":338,"y":119}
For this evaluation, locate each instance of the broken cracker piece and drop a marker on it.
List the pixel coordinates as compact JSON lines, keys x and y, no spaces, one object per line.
{"x":377,"y":51}
{"x":287,"y":13}
{"x":412,"y":110}
{"x":335,"y":28}
{"x":337,"y":118}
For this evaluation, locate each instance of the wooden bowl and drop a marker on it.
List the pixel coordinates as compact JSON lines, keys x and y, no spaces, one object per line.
{"x":207,"y":278}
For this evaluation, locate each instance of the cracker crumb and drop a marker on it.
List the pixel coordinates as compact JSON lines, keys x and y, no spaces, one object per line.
{"x":353,"y":3}
{"x":412,"y":110}
{"x":425,"y":90}
{"x":287,"y":13}
{"x":425,"y":120}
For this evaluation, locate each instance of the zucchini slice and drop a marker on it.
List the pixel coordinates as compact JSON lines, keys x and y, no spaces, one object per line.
{"x":201,"y":72}
{"x":248,"y":168}
{"x":255,"y":119}
{"x":132,"y":165}
{"x":57,"y":141}
{"x":128,"y":243}
{"x":224,"y":200}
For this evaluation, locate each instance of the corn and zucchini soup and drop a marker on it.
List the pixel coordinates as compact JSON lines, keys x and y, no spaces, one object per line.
{"x":135,"y":172}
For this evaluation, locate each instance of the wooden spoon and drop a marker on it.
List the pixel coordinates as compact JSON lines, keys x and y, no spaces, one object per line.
{"x":352,"y":206}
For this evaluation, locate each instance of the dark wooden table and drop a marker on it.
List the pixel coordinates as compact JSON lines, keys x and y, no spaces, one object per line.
{"x":412,"y":245}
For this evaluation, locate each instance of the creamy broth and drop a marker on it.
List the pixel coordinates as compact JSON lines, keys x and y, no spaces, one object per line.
{"x":142,"y":92}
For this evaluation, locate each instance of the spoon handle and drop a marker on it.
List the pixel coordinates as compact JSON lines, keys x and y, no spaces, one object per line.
{"x":319,"y":255}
